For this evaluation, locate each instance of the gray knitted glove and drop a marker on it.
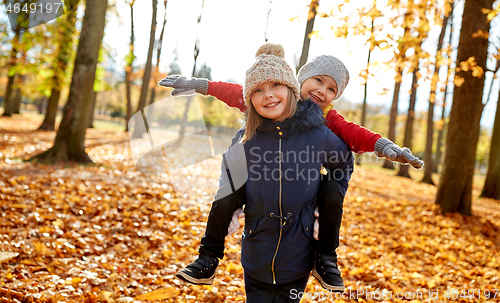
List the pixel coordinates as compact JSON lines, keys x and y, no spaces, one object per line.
{"x":386,"y":148}
{"x":182,"y":86}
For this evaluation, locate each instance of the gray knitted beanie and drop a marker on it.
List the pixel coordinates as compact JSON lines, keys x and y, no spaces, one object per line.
{"x":329,"y":66}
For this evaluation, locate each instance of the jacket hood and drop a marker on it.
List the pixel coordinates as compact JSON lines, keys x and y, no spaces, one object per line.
{"x":308,"y":116}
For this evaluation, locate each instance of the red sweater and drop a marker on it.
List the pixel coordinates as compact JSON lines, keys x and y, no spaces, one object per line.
{"x":358,"y":138}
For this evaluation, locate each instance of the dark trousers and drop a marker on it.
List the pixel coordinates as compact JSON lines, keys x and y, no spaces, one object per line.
{"x":330,"y":203}
{"x":221,"y":213}
{"x":259,"y":292}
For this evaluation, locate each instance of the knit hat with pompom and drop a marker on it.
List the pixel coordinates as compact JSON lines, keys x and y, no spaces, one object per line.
{"x":269,"y":66}
{"x":326,"y":65}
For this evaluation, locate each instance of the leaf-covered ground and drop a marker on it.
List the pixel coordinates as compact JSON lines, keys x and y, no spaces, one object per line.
{"x":107,"y":233}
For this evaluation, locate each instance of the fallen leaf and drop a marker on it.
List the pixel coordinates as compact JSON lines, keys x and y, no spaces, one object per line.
{"x":160,"y":294}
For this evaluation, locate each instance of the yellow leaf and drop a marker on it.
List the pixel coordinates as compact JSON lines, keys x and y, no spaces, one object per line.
{"x":313,"y":34}
{"x":45,"y":229}
{"x":477,"y":71}
{"x":464,"y":66}
{"x":160,"y":294}
{"x":58,"y":201}
{"x":29,"y":261}
{"x":481,"y":33}
{"x":106,"y":296}
{"x":19,"y":206}
{"x":41,"y":248}
{"x":416,"y":275}
{"x":458,"y":81}
{"x":357,"y":271}
{"x":59,"y":223}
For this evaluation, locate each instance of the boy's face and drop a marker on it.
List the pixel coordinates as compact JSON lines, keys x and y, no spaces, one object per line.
{"x":270,"y":99}
{"x":321,"y":89}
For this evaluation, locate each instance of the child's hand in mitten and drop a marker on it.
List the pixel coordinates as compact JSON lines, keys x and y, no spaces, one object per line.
{"x":235,"y":223}
{"x":316,"y":224}
{"x":386,"y":148}
{"x":182,"y":86}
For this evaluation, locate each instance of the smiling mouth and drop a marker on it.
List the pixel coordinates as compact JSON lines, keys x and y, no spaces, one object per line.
{"x":316,"y":98}
{"x":270,"y":105}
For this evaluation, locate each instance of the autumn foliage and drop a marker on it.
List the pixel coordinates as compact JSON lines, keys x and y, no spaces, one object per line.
{"x":108,"y":233}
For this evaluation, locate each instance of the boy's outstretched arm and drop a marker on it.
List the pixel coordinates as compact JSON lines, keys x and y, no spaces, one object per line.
{"x":362,"y":140}
{"x":229,"y":93}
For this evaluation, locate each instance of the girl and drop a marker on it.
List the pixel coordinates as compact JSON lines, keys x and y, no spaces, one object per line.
{"x":285,"y":144}
{"x":322,"y":80}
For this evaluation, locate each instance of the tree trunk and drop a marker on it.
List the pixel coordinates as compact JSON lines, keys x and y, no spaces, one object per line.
{"x":128,"y":85}
{"x":196,"y":53}
{"x":92,"y":109}
{"x":400,"y":60}
{"x":69,"y":143}
{"x":428,"y":169}
{"x":17,"y":94}
{"x":491,"y":187}
{"x":394,"y":114}
{"x":313,"y":9}
{"x":404,"y":169}
{"x":67,"y":22}
{"x":455,"y":187}
{"x":158,"y":54}
{"x":363,"y":111}
{"x":7,"y":100}
{"x":439,"y":143}
{"x":50,"y":116}
{"x":16,"y":101}
{"x":443,"y":112}
{"x":129,"y":69}
{"x":20,"y":25}
{"x":147,"y":70}
{"x":11,"y":63}
{"x":42,"y":104}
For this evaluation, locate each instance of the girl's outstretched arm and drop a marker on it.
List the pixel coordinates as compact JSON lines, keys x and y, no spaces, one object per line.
{"x":229,"y":93}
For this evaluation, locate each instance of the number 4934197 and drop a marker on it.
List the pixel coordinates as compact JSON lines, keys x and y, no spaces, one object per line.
{"x":33,"y":8}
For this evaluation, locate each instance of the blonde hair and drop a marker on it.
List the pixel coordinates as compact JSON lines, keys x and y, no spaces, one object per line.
{"x":254,"y":119}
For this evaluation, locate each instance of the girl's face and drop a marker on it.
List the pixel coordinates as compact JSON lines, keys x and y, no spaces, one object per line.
{"x":321,"y":89}
{"x":270,"y":99}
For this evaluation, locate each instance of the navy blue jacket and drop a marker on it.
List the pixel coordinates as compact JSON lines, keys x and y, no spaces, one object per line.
{"x":284,"y":161}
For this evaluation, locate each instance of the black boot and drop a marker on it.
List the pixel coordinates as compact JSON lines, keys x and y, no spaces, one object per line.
{"x":201,"y":271}
{"x":328,"y":273}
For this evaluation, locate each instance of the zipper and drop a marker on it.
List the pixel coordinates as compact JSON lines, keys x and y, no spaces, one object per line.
{"x":281,"y":219}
